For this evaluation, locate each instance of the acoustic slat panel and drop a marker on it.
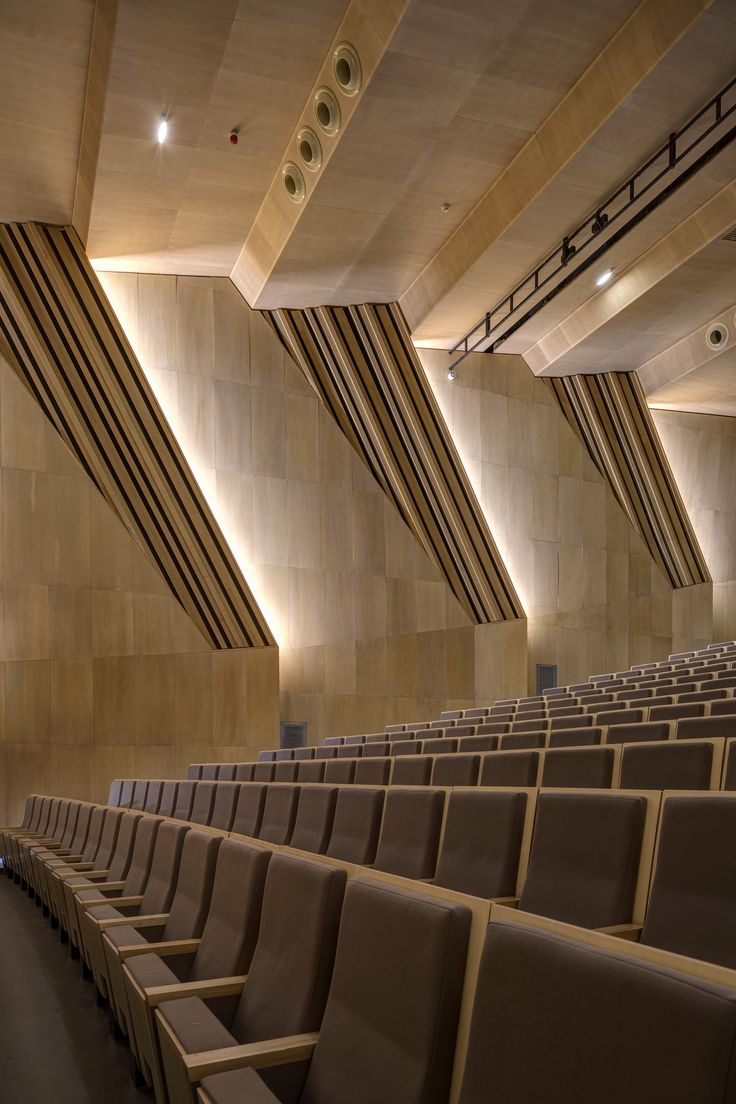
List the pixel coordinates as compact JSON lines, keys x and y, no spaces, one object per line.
{"x":61,"y":336}
{"x":362,"y":363}
{"x":609,"y":413}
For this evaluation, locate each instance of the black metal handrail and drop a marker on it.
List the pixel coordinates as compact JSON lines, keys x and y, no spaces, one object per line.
{"x":603,"y":218}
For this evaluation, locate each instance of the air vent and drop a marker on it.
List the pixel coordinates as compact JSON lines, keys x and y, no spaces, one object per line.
{"x":546,"y":676}
{"x":731,"y":235}
{"x":293,"y":734}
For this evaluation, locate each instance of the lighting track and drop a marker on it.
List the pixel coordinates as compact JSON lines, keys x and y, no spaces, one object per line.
{"x":498,"y":324}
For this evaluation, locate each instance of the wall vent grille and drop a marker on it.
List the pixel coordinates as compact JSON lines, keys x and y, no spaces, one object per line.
{"x":546,"y":676}
{"x":293,"y":734}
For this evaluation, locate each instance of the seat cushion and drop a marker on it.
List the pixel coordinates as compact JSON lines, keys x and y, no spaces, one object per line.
{"x":195,"y":1026}
{"x":238,"y":1087}
{"x":126,"y":935}
{"x":150,"y":969}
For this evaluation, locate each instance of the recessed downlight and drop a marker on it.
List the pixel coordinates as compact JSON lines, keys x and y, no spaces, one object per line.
{"x":162,"y":130}
{"x":293,"y":181}
{"x":717,"y":336}
{"x":604,"y":277}
{"x":347,"y":69}
{"x":327,"y":111}
{"x":310,"y":149}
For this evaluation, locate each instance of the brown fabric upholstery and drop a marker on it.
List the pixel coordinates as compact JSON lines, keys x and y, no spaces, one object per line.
{"x":153,"y":797}
{"x":194,"y":772}
{"x":574,"y":737}
{"x":512,"y":768}
{"x":517,"y":741}
{"x":244,"y":772}
{"x":638,"y":733}
{"x":140,"y":791}
{"x":412,"y":770}
{"x":692,"y":905}
{"x":374,"y":772}
{"x":184,"y":800}
{"x":284,"y":755}
{"x":279,"y":814}
{"x":286,"y":771}
{"x":598,"y":1027}
{"x":619,"y":717}
{"x":481,"y":843}
{"x":223,"y":809}
{"x":350,"y":751}
{"x":263,"y":772}
{"x":303,"y":753}
{"x":325,"y":752}
{"x":529,"y":727}
{"x":493,"y":728}
{"x":672,"y":712}
{"x":571,"y":722}
{"x":478,"y":743}
{"x":441,"y":746}
{"x":714,"y":727}
{"x":721,"y":708}
{"x":357,"y":824}
{"x":376,"y":750}
{"x":167,"y":804}
{"x":313,"y":771}
{"x":729,"y":778}
{"x":340,"y":772}
{"x":314,"y":817}
{"x":591,"y":768}
{"x":667,"y":766}
{"x":204,"y":800}
{"x":161,"y":882}
{"x":584,"y":858}
{"x":410,"y":832}
{"x":249,"y":809}
{"x":456,"y":770}
{"x":209,"y":772}
{"x":226,"y":772}
{"x":289,"y":974}
{"x":406,"y":747}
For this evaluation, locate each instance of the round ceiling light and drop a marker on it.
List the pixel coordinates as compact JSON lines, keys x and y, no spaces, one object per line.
{"x":310,"y":148}
{"x":327,"y":111}
{"x":347,"y":69}
{"x":293,"y":180}
{"x":716,"y":336}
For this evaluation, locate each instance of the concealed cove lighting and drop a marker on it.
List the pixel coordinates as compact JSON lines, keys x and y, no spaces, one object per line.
{"x":604,"y":277}
{"x":163,"y":130}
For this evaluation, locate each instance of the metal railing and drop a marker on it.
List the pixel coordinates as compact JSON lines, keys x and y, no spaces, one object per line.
{"x":496,"y":327}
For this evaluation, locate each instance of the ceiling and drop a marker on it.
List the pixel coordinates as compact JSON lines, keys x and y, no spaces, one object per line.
{"x":519,"y":124}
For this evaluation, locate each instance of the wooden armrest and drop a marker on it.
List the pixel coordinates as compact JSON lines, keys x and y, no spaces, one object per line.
{"x":509,"y":902}
{"x":75,"y":868}
{"x":120,"y":902}
{"x":623,"y":931}
{"x":205,"y":990}
{"x":103,"y":887}
{"x":152,"y":921}
{"x":95,"y":875}
{"x":271,"y":1052}
{"x":174,"y":947}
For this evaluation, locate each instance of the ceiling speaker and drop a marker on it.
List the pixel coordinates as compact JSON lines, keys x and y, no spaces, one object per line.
{"x":716,"y":336}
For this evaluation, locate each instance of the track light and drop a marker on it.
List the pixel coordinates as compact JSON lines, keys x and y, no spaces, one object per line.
{"x":604,"y":277}
{"x":451,"y":374}
{"x":163,"y":130}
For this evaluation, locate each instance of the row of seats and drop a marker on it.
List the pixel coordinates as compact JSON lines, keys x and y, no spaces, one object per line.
{"x":244,"y":974}
{"x":652,"y":762}
{"x":565,"y":854}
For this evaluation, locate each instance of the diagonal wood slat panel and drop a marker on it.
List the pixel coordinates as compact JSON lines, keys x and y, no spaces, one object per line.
{"x":62,"y":337}
{"x":362,"y":363}
{"x":609,"y":413}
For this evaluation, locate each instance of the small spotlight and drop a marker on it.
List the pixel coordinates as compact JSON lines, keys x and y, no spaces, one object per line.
{"x":445,"y":208}
{"x":604,"y":277}
{"x":451,"y":374}
{"x":163,"y":130}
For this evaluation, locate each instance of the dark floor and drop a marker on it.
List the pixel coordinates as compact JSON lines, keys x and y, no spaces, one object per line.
{"x":54,"y":1042}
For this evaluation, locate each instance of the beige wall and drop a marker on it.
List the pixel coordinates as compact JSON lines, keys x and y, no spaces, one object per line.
{"x":702,"y":451}
{"x":369,"y":631}
{"x":102,"y":672}
{"x":594,"y":597}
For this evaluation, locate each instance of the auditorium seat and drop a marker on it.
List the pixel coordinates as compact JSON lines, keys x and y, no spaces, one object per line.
{"x":478,"y":743}
{"x":410,"y":832}
{"x":101,"y":839}
{"x":184,"y":800}
{"x":673,"y":765}
{"x":481,"y":843}
{"x":406,"y":747}
{"x":584,"y":858}
{"x":325,"y":752}
{"x":645,"y":732}
{"x":184,"y":920}
{"x":357,"y":824}
{"x":692,"y":902}
{"x":509,"y":768}
{"x":696,"y":728}
{"x":286,"y":772}
{"x":204,"y":800}
{"x":587,"y":768}
{"x":340,"y":772}
{"x":140,"y":792}
{"x":584,"y":721}
{"x":455,"y":770}
{"x":350,"y":751}
{"x":223,"y":810}
{"x":249,"y":809}
{"x":226,"y":772}
{"x":390,"y":1023}
{"x":376,"y":750}
{"x":224,"y":951}
{"x":167,"y":804}
{"x":267,"y":755}
{"x":729,"y":768}
{"x":286,"y":987}
{"x":153,"y":797}
{"x":154,"y":900}
{"x":263,"y":772}
{"x":194,"y":772}
{"x":574,"y":737}
{"x":303,"y":753}
{"x":314,"y":816}
{"x":279,"y":814}
{"x":726,"y":707}
{"x":522,"y":741}
{"x":613,"y":718}
{"x":374,"y":772}
{"x":600,"y":1026}
{"x":244,"y":772}
{"x":312,"y":771}
{"x":675,"y":711}
{"x":209,"y":771}
{"x":412,"y":770}
{"x":443,"y":746}
{"x":284,"y":755}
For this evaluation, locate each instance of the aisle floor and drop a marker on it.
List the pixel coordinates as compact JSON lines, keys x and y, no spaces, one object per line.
{"x":54,"y":1041}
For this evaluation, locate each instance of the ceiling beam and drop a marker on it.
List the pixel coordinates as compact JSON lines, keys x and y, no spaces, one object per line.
{"x":633,"y":52}
{"x":684,"y":356}
{"x":368,"y":26}
{"x":98,"y":73}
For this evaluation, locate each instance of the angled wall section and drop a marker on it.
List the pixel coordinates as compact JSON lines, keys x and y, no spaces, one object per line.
{"x":610,"y":415}
{"x":61,"y":336}
{"x":362,"y":364}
